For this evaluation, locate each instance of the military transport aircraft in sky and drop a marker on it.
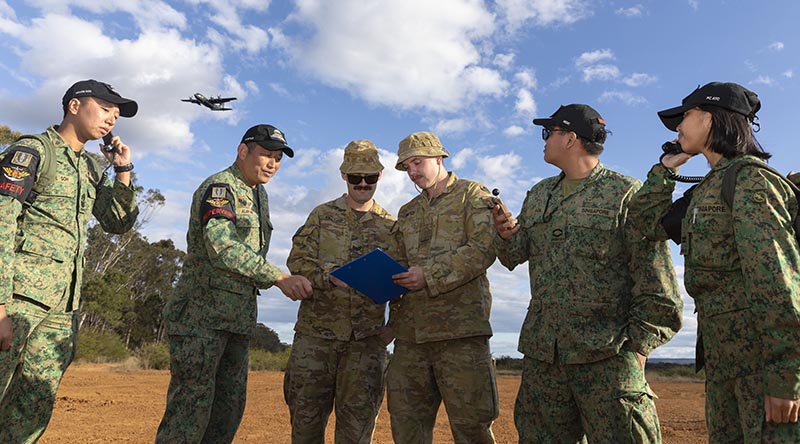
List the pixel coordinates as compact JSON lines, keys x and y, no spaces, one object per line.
{"x":212,"y":103}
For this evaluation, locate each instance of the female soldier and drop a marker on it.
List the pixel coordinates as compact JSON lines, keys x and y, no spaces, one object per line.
{"x":742,"y":266}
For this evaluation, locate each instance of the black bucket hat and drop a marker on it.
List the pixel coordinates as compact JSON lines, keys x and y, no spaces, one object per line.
{"x":727,"y":95}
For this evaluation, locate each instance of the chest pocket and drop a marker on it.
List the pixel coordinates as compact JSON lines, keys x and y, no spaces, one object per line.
{"x":248,"y":228}
{"x":711,"y":244}
{"x":592,"y":234}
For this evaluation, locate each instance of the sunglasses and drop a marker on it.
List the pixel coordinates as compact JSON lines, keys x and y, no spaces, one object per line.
{"x":547,"y":132}
{"x":355,"y":179}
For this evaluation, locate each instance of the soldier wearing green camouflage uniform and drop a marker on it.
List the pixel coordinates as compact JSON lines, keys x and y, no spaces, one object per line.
{"x":602,"y":296}
{"x":742,"y":267}
{"x":42,"y":242}
{"x":442,"y":328}
{"x":213,"y":311}
{"x":338,"y":356}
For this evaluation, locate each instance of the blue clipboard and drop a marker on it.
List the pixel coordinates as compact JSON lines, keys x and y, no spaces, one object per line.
{"x":371,"y":274}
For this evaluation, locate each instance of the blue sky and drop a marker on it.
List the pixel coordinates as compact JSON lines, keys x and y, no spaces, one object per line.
{"x":327,"y":72}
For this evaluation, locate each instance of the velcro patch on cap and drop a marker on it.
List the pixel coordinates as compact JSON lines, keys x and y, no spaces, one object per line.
{"x":218,"y":202}
{"x":18,"y":172}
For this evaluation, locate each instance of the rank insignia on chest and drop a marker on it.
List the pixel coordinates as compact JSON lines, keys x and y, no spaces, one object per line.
{"x":15,"y":173}
{"x":21,"y":158}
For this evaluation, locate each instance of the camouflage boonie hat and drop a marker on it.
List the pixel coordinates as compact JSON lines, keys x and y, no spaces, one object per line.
{"x":423,"y":143}
{"x":361,"y":156}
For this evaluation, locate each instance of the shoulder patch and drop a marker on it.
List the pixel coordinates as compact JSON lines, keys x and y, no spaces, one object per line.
{"x":218,"y":202}
{"x":18,"y":172}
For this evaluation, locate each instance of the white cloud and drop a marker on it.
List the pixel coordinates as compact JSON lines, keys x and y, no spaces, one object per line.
{"x":623,"y":96}
{"x":514,"y":131}
{"x":527,"y":78}
{"x":764,"y":80}
{"x":633,"y":11}
{"x":638,"y":79}
{"x":788,"y":74}
{"x":525,"y":105}
{"x":542,"y":12}
{"x":231,"y":32}
{"x":451,"y":126}
{"x":460,"y":159}
{"x":694,"y":4}
{"x":408,"y":53}
{"x":600,"y":72}
{"x":504,"y":61}
{"x":588,"y":58}
{"x":776,"y":46}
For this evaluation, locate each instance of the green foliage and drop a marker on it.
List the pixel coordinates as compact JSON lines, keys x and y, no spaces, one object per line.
{"x":100,"y":346}
{"x":265,"y":338}
{"x":7,"y":135}
{"x":266,"y":361}
{"x":154,"y":356}
{"x":508,"y":364}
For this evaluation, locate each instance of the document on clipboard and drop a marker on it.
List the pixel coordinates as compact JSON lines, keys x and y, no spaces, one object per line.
{"x":371,"y":274}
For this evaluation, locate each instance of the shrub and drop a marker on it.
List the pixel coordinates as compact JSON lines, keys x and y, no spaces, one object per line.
{"x":154,"y":356}
{"x":266,"y":361}
{"x":100,"y":346}
{"x":661,"y":371}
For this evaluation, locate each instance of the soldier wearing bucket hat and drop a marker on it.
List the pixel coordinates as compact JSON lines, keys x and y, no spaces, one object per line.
{"x":212,"y":312}
{"x":339,"y":326}
{"x":50,"y":188}
{"x":741,"y":260}
{"x":442,"y":325}
{"x":602,"y":296}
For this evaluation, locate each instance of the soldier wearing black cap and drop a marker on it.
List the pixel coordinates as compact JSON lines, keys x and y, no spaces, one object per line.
{"x":49,"y":190}
{"x":742,"y":265}
{"x":602,"y":296}
{"x":213,"y":311}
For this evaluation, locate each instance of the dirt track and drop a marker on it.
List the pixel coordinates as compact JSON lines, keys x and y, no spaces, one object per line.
{"x":98,"y":405}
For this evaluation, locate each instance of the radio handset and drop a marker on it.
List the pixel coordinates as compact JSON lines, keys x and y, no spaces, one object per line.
{"x":670,"y":148}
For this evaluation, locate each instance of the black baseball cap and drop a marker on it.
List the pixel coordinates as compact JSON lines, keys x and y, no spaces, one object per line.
{"x":269,"y":138}
{"x":728,"y":95}
{"x":94,"y":88}
{"x":584,"y":120}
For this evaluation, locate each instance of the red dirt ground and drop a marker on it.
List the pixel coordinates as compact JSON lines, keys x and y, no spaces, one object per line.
{"x":97,"y":404}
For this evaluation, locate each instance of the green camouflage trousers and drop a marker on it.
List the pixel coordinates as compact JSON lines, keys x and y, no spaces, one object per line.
{"x":608,"y":402}
{"x":735,"y":414}
{"x":459,"y":372}
{"x":207,"y":388}
{"x":43,"y":348}
{"x":323,"y":373}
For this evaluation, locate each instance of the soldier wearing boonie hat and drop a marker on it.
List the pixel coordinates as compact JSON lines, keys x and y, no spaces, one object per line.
{"x":212,"y":312}
{"x":442,"y":324}
{"x":49,"y":190}
{"x":741,"y":256}
{"x":340,"y":326}
{"x":602,"y":296}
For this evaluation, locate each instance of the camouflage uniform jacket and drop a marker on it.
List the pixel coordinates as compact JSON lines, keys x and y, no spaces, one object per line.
{"x":595,"y":282}
{"x":742,"y":269}
{"x":225,"y":264}
{"x":332,"y":236}
{"x":41,"y":249}
{"x":450,"y":238}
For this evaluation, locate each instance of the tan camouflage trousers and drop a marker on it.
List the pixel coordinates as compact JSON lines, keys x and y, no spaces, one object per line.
{"x":323,"y":373}
{"x":735,"y":414}
{"x":459,"y":372}
{"x":43,"y":348}
{"x":608,"y":402}
{"x":207,"y":388}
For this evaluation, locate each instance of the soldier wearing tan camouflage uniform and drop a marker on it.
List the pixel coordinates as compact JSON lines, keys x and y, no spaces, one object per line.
{"x":742,"y":267}
{"x":42,"y":241}
{"x":213,"y":311}
{"x":442,"y":325}
{"x":602,"y":296}
{"x":338,"y":356}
